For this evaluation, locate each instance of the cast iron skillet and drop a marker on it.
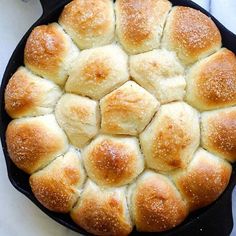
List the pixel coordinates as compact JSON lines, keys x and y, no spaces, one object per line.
{"x":215,"y":219}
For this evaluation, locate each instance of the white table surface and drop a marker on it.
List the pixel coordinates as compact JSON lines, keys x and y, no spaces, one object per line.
{"x":18,"y":216}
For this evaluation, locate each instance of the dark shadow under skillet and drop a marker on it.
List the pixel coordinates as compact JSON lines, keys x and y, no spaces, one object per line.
{"x":215,"y":220}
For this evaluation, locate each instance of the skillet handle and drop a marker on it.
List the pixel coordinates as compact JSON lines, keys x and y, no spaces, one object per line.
{"x":49,"y":5}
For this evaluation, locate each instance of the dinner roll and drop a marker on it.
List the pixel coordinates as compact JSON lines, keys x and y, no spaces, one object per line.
{"x":113,"y":161}
{"x":50,"y":53}
{"x":219,"y":132}
{"x":139,"y":23}
{"x":159,"y":72}
{"x":102,"y":211}
{"x":57,"y":186}
{"x":79,"y":117}
{"x":127,"y":110}
{"x":156,"y":204}
{"x":205,"y":179}
{"x":98,"y":71}
{"x":170,"y":140}
{"x":33,"y":142}
{"x":191,"y":34}
{"x":90,"y":23}
{"x":211,"y":83}
{"x":29,"y":95}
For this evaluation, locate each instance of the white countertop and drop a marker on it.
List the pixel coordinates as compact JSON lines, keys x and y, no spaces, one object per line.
{"x":18,"y":216}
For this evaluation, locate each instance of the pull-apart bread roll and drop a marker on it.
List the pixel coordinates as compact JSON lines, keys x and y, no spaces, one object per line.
{"x":79,"y":117}
{"x":103,"y":211}
{"x":112,"y":132}
{"x":191,"y":34}
{"x":33,"y":142}
{"x":90,"y":23}
{"x":159,"y":72}
{"x":169,"y":142}
{"x":219,"y":132}
{"x":155,"y":203}
{"x":139,"y":23}
{"x":204,"y":180}
{"x":50,"y":52}
{"x":127,"y":110}
{"x":98,"y":71}
{"x":211,"y":83}
{"x":113,"y":161}
{"x":57,"y":185}
{"x":29,"y":95}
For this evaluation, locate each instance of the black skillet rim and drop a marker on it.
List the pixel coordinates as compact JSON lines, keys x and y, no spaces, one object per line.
{"x":19,"y":179}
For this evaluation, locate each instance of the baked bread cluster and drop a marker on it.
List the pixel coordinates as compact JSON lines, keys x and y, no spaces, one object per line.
{"x":124,"y":114}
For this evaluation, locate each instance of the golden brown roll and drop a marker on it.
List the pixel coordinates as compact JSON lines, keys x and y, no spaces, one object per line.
{"x":50,"y":53}
{"x":156,"y":205}
{"x":98,"y":71}
{"x":218,"y":133}
{"x":102,"y":211}
{"x":113,"y":161}
{"x":79,"y":117}
{"x":159,"y":72}
{"x":29,"y":95}
{"x":191,"y":34}
{"x":90,"y":23}
{"x":33,"y":142}
{"x":211,"y":83}
{"x":57,"y":186}
{"x":204,"y":180}
{"x":170,"y":140}
{"x":127,"y":110}
{"x":139,"y":24}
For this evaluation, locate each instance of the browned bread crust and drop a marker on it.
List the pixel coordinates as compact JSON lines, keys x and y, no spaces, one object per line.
{"x":191,"y":34}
